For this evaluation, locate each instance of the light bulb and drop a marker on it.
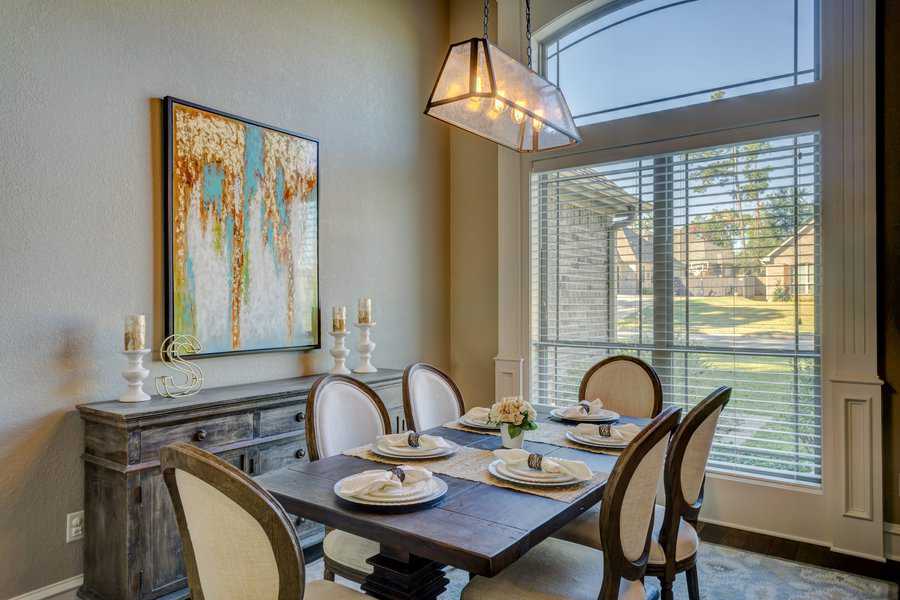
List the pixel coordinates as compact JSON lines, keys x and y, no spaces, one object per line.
{"x":475,"y":103}
{"x":499,"y":105}
{"x":537,"y":124}
{"x":517,"y":115}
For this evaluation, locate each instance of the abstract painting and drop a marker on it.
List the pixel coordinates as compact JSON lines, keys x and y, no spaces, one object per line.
{"x":242,"y":232}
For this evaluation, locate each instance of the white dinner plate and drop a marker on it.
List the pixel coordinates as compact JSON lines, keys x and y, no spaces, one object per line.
{"x":604,"y":416}
{"x":439,"y":488}
{"x":596,"y":442}
{"x":478,"y":425}
{"x":532,"y":474}
{"x":497,"y":469}
{"x":413,"y":453}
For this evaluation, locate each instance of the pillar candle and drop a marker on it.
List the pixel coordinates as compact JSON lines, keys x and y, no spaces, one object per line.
{"x":364,"y":315}
{"x":339,"y":318}
{"x":135,"y":332}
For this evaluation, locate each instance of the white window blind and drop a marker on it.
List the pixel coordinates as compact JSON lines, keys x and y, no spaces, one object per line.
{"x":703,"y":263}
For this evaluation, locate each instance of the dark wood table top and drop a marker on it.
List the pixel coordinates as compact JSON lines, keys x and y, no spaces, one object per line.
{"x":477,"y":527}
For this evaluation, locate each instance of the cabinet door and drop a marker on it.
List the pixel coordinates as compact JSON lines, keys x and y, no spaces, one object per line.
{"x":162,"y":566}
{"x":275,"y":455}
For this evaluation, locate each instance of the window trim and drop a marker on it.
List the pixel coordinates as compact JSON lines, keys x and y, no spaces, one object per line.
{"x":849,"y":515}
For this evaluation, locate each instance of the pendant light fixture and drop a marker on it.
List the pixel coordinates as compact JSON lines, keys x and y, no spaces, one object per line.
{"x":487,"y":92}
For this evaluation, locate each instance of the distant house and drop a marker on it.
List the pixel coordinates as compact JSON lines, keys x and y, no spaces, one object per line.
{"x":699,"y":267}
{"x":790,"y":267}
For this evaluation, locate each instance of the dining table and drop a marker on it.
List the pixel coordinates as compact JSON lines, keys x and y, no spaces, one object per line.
{"x":476,"y":526}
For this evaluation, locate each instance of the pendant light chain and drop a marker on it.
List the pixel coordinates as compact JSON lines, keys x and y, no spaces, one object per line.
{"x":528,"y":30}
{"x":484,"y":21}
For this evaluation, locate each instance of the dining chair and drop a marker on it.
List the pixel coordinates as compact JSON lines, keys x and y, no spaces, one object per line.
{"x":685,"y":477}
{"x":237,"y":541}
{"x":344,"y":413}
{"x":430,"y":397}
{"x":557,"y":569}
{"x":626,"y":384}
{"x":674,"y":541}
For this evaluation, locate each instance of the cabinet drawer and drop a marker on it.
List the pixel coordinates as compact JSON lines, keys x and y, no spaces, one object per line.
{"x":205,"y":433}
{"x":275,"y":455}
{"x":281,"y":420}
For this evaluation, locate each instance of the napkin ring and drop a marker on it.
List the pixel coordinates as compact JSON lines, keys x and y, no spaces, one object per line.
{"x":398,"y":473}
{"x":604,"y":430}
{"x":584,"y":407}
{"x":534,"y":461}
{"x":413,"y":439}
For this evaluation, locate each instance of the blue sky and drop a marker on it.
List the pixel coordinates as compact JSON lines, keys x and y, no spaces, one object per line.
{"x":692,"y":46}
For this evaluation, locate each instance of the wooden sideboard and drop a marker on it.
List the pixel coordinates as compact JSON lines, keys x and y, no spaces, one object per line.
{"x":132,"y":550}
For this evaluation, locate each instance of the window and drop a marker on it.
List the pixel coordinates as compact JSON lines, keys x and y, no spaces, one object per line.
{"x":632,"y":58}
{"x":702,"y":263}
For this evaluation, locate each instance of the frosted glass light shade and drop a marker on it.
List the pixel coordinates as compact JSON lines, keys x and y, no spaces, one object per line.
{"x":485,"y":91}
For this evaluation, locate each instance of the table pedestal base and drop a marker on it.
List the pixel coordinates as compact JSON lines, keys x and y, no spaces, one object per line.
{"x":402,"y":576}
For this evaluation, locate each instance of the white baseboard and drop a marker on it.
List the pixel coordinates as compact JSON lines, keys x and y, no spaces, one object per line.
{"x":53,"y":589}
{"x":778,"y":534}
{"x":892,"y":541}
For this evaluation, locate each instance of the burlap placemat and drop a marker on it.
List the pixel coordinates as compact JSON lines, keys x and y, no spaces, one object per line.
{"x":548,"y":432}
{"x":472,"y":464}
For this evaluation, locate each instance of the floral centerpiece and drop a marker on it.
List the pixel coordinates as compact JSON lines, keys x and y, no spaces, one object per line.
{"x":515,"y":417}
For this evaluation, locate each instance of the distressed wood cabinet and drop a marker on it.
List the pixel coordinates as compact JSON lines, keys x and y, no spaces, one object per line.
{"x":132,"y":550}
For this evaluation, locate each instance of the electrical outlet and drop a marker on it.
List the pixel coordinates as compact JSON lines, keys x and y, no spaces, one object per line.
{"x":74,"y":526}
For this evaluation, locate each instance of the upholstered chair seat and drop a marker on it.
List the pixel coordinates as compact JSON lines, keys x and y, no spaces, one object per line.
{"x":554,"y":569}
{"x":584,"y":530}
{"x":430,"y":397}
{"x":349,"y":550}
{"x":344,"y":413}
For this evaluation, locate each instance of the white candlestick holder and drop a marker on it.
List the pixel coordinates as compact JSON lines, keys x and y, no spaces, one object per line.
{"x":135,"y":375}
{"x":340,"y":352}
{"x":366,"y":345}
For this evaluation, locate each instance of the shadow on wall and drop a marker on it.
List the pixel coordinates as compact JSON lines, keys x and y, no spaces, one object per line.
{"x":37,"y":452}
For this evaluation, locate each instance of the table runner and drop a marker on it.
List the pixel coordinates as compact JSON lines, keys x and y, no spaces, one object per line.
{"x":548,"y":432}
{"x":471,"y":464}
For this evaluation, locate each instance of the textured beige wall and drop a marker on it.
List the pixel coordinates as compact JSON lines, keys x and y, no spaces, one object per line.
{"x":80,"y":195}
{"x":473,"y":239}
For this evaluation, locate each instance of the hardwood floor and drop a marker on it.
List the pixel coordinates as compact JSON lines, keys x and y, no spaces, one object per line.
{"x":810,"y":554}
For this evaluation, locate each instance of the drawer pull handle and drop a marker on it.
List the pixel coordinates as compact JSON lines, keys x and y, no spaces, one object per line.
{"x":200,"y":435}
{"x":300,"y":416}
{"x":300,"y":453}
{"x":300,"y":521}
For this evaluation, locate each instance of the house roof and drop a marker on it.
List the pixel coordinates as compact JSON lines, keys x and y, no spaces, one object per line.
{"x":786,"y":243}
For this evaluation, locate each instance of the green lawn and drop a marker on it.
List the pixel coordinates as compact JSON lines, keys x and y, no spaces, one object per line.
{"x":774,"y":417}
{"x":725,"y":315}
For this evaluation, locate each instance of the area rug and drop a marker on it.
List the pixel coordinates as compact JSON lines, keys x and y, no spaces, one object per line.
{"x":729,"y":574}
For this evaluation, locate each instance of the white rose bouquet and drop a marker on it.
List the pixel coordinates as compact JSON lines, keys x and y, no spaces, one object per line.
{"x":516,"y":413}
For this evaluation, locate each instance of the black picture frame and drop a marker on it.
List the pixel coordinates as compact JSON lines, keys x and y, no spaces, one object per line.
{"x":168,"y":234}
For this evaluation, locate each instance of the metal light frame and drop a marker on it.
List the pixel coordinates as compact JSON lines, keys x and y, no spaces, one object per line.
{"x":482,"y":47}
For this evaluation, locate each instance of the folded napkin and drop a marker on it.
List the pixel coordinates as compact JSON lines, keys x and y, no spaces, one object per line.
{"x":385,"y":481}
{"x":615,"y":433}
{"x":403,"y":440}
{"x":583,"y":409}
{"x":479,"y":414}
{"x":520,"y":459}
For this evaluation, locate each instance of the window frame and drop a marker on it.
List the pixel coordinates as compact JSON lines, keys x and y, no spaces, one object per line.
{"x":590,"y":11}
{"x":846,"y":512}
{"x":746,"y":135}
{"x":775,"y":113}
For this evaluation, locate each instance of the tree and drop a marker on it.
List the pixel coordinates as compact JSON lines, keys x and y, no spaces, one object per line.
{"x":761,"y":217}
